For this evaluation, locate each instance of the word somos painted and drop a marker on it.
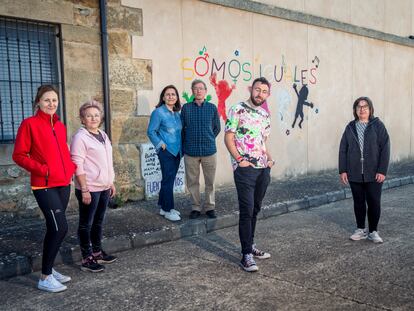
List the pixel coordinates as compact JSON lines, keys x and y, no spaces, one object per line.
{"x":236,"y":69}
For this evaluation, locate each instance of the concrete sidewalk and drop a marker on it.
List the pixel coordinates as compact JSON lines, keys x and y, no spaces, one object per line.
{"x":313,"y":266}
{"x":138,"y":224}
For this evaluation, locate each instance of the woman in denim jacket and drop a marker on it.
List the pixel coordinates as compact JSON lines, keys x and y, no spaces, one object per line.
{"x":164,"y":131}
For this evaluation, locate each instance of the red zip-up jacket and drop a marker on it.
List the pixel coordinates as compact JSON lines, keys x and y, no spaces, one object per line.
{"x":41,"y":149}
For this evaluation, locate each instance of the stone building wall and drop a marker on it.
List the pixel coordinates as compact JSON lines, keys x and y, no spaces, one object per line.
{"x":127,"y":75}
{"x":82,"y":72}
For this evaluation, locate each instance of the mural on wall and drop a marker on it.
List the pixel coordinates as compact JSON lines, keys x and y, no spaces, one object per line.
{"x":302,"y":97}
{"x":223,"y":91}
{"x":239,"y":70}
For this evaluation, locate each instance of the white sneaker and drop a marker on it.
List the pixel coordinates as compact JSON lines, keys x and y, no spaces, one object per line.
{"x":374,"y":237}
{"x":60,"y":277}
{"x":50,"y":284}
{"x":172,"y":216}
{"x":162,"y":212}
{"x":359,"y":234}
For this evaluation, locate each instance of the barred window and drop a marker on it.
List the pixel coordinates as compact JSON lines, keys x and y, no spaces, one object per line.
{"x":28,"y":58}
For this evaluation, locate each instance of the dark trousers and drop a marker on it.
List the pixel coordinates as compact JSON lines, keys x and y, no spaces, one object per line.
{"x":169,"y":168}
{"x":363,"y":194}
{"x":91,"y":219}
{"x":251,"y":185}
{"x":53,"y":203}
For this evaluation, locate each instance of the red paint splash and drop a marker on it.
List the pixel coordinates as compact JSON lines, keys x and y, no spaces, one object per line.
{"x":223,"y":91}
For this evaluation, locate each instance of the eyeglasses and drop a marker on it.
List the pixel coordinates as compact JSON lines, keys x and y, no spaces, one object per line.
{"x":365,"y":107}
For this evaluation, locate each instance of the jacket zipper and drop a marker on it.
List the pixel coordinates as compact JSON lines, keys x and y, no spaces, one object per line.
{"x":362,"y":156}
{"x":57,"y":142}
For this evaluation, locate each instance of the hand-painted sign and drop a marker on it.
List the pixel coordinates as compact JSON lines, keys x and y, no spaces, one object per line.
{"x":151,"y":172}
{"x":225,"y":74}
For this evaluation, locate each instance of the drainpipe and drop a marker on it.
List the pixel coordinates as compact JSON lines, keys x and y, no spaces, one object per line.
{"x":105,"y":71}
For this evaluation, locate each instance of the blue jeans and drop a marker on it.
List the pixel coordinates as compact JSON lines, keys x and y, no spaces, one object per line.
{"x":91,"y":219}
{"x":251,"y":184}
{"x":169,"y":168}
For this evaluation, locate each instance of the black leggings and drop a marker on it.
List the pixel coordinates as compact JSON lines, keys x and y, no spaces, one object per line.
{"x":91,"y":219}
{"x":363,"y":194}
{"x":53,"y":203}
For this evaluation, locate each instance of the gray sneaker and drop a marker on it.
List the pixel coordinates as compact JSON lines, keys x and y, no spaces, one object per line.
{"x":257,"y":253}
{"x":359,"y":234}
{"x":374,"y":237}
{"x":248,"y":264}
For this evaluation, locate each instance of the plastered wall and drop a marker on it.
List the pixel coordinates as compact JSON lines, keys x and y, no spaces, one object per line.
{"x":390,"y":16}
{"x":191,"y":39}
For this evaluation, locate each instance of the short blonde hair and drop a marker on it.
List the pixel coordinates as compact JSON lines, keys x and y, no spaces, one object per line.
{"x":91,"y":104}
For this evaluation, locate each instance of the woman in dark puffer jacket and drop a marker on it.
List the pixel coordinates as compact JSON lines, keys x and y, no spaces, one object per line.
{"x":364,"y":155}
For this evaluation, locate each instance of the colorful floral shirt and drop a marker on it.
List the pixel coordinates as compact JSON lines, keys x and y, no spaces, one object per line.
{"x":251,"y":127}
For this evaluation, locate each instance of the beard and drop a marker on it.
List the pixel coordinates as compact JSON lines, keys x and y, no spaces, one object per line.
{"x":258,"y":101}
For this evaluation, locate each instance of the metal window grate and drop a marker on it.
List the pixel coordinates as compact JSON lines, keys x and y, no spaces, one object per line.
{"x":28,"y":59}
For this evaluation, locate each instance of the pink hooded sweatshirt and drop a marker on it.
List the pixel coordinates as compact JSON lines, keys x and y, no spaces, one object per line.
{"x":94,"y":159}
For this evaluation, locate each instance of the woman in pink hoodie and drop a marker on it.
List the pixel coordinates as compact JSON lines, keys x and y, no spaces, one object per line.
{"x":91,"y":151}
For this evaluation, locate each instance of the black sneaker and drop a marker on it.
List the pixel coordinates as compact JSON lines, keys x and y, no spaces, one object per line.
{"x":211,"y":214}
{"x":91,"y":265}
{"x":194,"y":214}
{"x":248,"y":264}
{"x":259,"y":254}
{"x":104,"y":258}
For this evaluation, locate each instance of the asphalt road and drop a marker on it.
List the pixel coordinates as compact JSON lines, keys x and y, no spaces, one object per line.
{"x":314,"y":266}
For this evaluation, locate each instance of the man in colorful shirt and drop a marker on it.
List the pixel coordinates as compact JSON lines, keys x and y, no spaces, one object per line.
{"x":246,"y":131}
{"x":201,"y":125}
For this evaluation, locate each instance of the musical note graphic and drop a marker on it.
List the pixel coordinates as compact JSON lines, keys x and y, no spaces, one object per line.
{"x":201,"y":52}
{"x":316,"y":61}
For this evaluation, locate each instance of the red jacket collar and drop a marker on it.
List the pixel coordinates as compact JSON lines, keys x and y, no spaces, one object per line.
{"x":46,"y":116}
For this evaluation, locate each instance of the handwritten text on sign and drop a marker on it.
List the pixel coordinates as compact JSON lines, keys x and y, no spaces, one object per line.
{"x":151,"y":172}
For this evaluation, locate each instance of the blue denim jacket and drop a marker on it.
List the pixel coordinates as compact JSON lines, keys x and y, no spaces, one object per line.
{"x":165,"y":128}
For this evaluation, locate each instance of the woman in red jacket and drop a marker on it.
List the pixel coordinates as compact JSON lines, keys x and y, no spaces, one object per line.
{"x":41,"y":149}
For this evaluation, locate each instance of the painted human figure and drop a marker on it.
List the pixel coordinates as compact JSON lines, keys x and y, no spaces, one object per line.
{"x":302,"y":97}
{"x":223,"y":91}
